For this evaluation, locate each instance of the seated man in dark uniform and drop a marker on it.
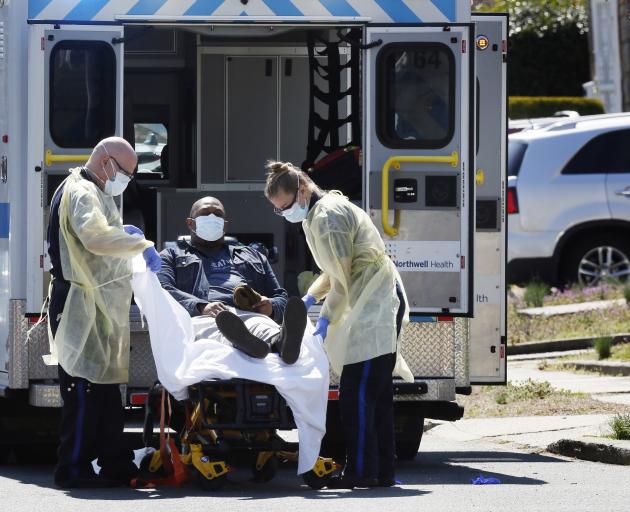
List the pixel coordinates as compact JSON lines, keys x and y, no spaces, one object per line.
{"x":203,"y":274}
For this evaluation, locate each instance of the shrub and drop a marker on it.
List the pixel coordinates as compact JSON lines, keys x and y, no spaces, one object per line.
{"x":620,"y":426}
{"x":527,"y":390}
{"x":603,"y":346}
{"x":526,"y":107}
{"x":535,"y":293}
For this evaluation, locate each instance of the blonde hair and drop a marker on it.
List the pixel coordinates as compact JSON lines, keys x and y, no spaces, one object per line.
{"x":284,"y":176}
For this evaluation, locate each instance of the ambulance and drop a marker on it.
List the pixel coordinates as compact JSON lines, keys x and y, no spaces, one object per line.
{"x":400,"y":104}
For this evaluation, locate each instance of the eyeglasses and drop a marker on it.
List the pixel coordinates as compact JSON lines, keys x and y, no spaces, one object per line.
{"x":279,"y":211}
{"x":120,"y":167}
{"x":129,"y":175}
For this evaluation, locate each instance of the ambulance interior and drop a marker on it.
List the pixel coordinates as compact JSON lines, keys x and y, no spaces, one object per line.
{"x":207,"y":106}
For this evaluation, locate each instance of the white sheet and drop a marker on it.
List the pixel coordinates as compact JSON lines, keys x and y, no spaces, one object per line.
{"x":182,"y":361}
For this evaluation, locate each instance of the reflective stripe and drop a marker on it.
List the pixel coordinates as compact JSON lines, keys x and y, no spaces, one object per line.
{"x":379,"y":11}
{"x":398,"y":10}
{"x":86,"y":9}
{"x":362,"y":425}
{"x":78,"y":437}
{"x":5,"y":220}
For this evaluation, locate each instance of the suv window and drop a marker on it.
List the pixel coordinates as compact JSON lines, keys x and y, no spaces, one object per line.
{"x":605,"y":153}
{"x":82,"y":93}
{"x":516,"y":153}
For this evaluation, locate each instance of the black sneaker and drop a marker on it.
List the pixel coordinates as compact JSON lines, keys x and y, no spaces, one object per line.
{"x":235,"y":330}
{"x":350,"y":482}
{"x":386,"y":482}
{"x":290,"y":339}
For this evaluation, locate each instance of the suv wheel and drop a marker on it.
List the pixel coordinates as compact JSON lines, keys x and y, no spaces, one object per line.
{"x":598,"y":260}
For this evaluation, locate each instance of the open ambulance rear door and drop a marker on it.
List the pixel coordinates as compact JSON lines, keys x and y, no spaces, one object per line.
{"x":487,"y":338}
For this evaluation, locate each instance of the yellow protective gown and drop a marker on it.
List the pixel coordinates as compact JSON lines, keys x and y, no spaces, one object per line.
{"x":358,"y":280}
{"x":92,"y":340}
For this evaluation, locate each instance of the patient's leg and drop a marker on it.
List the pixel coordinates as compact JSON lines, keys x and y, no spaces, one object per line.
{"x":248,"y":331}
{"x":235,"y":330}
{"x":289,"y":341}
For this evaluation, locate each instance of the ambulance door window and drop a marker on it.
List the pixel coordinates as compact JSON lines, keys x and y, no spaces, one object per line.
{"x":82,"y":93}
{"x":415,"y":95}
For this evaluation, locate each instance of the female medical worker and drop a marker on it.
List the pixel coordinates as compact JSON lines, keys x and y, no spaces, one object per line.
{"x":361,"y":318}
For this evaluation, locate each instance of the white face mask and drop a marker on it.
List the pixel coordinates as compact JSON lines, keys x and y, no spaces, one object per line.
{"x":209,"y":227}
{"x":117,"y":184}
{"x":297,"y":212}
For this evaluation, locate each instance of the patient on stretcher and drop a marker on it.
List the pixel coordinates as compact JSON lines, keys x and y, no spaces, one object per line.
{"x":231,"y":287}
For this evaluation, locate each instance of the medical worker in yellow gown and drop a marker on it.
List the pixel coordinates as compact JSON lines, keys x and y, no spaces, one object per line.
{"x":361,"y":319}
{"x":90,"y":252}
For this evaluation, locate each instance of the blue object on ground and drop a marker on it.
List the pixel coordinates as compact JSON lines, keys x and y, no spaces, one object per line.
{"x":482,"y":480}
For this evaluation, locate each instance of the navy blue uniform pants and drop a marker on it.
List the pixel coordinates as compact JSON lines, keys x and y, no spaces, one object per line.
{"x":92,"y":420}
{"x":366,"y":403}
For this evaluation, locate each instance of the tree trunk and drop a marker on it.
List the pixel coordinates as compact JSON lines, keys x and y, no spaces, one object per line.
{"x":624,"y":50}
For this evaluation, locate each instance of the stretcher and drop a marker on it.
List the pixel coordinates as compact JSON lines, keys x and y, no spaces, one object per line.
{"x":224,"y":423}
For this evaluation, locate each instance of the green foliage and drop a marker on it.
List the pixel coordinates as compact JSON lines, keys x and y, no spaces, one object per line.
{"x":535,"y":293}
{"x":548,"y":51}
{"x":540,"y":16}
{"x":620,"y":426}
{"x":626,"y":293}
{"x":603,"y":347}
{"x":527,"y":390}
{"x":527,"y":107}
{"x":621,"y":352}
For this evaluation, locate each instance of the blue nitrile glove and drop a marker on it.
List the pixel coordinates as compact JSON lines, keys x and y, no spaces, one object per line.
{"x":482,"y":480}
{"x":308,"y":300}
{"x":130,"y":229}
{"x":321,"y":328}
{"x":152,"y":259}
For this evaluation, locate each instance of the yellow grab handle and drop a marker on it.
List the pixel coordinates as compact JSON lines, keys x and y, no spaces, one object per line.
{"x":50,"y":158}
{"x":395,"y":162}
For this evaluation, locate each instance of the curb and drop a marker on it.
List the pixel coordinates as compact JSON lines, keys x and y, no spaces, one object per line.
{"x":615,"y":369}
{"x":594,"y":452}
{"x":535,"y":347}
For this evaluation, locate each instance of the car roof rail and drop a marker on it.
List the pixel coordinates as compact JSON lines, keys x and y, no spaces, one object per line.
{"x":572,"y":122}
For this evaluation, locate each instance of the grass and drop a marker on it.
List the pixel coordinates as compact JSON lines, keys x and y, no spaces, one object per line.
{"x":589,"y":324}
{"x":532,"y":398}
{"x":535,"y":294}
{"x":603,"y":347}
{"x":620,"y":352}
{"x":620,"y":426}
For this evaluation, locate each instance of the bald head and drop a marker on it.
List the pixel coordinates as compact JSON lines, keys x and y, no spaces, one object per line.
{"x":206,"y":206}
{"x":111,"y":155}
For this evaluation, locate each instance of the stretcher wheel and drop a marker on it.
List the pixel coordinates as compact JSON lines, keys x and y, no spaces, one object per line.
{"x":315,"y":482}
{"x":267,"y":472}
{"x":211,"y":485}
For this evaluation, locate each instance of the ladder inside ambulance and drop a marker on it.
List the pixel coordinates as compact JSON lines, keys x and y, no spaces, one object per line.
{"x":329,"y":121}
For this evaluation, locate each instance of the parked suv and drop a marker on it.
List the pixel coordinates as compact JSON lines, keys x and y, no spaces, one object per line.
{"x":569,"y":201}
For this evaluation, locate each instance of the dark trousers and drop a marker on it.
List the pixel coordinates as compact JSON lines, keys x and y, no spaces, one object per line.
{"x":92,"y":421}
{"x":366,"y":403}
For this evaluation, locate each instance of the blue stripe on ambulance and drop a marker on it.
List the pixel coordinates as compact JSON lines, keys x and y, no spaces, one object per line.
{"x":5,"y":220}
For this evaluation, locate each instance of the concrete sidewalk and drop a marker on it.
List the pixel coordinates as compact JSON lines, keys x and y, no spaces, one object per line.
{"x":575,"y":436}
{"x":601,"y":387}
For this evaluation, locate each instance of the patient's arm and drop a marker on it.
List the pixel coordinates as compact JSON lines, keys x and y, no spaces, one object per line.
{"x":166,"y":277}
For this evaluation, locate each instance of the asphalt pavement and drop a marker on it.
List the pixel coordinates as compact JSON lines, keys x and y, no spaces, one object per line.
{"x":439,"y":479}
